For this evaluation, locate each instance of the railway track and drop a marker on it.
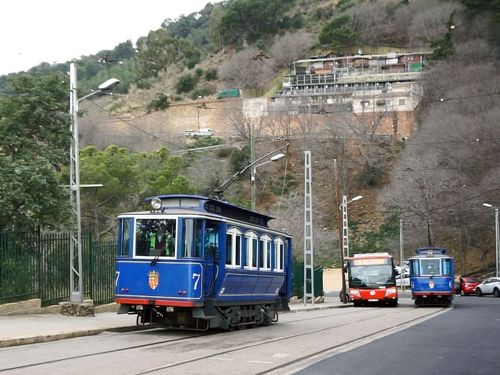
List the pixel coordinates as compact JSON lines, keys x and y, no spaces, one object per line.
{"x":299,"y":327}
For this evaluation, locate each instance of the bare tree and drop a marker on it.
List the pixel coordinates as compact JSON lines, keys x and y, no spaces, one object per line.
{"x":429,"y":21}
{"x":290,"y":47}
{"x":249,"y":69}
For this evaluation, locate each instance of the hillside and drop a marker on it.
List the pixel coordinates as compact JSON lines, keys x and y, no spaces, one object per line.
{"x":413,"y":181}
{"x":434,"y":181}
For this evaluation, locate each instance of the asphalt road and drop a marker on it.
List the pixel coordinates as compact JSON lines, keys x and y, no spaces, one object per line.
{"x":464,"y":340}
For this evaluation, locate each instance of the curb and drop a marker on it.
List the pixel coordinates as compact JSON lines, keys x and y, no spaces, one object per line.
{"x":315,"y":308}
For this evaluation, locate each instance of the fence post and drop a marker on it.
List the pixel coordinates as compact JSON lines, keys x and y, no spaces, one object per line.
{"x":39,"y":259}
{"x":91,"y":265}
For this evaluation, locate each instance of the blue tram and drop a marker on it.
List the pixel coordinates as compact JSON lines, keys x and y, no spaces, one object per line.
{"x":432,"y":277}
{"x":199,"y":263}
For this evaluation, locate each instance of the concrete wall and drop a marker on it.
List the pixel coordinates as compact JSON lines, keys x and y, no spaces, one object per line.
{"x":332,"y":279}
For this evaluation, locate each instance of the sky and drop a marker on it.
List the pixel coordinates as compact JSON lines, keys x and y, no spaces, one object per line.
{"x":56,"y":31}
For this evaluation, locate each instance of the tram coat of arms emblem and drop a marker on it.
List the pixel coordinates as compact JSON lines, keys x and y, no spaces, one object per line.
{"x":153,"y":279}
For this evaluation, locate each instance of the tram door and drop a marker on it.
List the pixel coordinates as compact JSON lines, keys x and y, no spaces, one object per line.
{"x":211,"y":254}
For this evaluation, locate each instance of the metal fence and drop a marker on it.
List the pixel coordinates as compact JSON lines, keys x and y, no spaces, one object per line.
{"x":38,"y":266}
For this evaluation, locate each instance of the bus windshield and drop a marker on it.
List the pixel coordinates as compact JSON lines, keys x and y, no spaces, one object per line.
{"x":371,"y":276}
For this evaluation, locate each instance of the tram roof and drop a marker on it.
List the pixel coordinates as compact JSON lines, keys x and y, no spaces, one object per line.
{"x":430,"y":252}
{"x":209,"y":205}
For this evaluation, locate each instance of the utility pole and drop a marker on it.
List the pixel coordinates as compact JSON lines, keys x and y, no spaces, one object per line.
{"x":252,"y":171}
{"x":345,"y":227}
{"x":76,"y":262}
{"x":343,"y":295}
{"x":308,"y":231}
{"x":401,"y":253}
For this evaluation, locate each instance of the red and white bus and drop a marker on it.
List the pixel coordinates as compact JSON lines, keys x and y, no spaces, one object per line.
{"x":372,"y":278}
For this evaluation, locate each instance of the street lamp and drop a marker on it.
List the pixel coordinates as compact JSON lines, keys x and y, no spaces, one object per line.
{"x":218,"y":192}
{"x":254,"y":171}
{"x":76,"y":263}
{"x":344,"y":238}
{"x":497,"y":241}
{"x":345,"y":226}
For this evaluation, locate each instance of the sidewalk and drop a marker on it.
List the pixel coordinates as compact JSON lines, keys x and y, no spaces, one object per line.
{"x":34,"y":328}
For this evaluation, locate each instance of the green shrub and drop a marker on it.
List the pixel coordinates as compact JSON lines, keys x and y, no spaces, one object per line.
{"x":199,"y":72}
{"x":158,"y":103}
{"x":186,"y":83}
{"x":205,"y":142}
{"x":211,"y":74}
{"x":240,"y":158}
{"x":370,"y":176}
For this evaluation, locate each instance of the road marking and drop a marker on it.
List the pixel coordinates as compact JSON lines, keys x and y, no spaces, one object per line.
{"x":281,"y":355}
{"x":221,"y":359}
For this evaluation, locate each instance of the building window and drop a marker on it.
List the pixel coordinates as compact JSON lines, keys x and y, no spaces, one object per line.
{"x":402,"y":102}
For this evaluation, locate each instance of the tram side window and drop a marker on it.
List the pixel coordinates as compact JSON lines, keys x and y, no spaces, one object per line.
{"x":124,"y":237}
{"x":414,"y":270}
{"x":279,"y":247}
{"x":192,"y":238}
{"x":212,"y":240}
{"x":447,"y":267}
{"x":265,"y":253}
{"x":252,"y":245}
{"x":233,"y":248}
{"x":155,"y":237}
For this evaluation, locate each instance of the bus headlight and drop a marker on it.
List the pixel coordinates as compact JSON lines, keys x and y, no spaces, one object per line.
{"x":355,"y":293}
{"x":390,"y":291}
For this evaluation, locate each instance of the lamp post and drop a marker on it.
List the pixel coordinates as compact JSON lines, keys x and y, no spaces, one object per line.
{"x":254,"y":172}
{"x":497,"y":240}
{"x":345,"y":223}
{"x":76,"y":262}
{"x":344,"y":236}
{"x":218,"y":192}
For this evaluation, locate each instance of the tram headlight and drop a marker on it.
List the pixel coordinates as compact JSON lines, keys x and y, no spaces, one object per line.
{"x":156,"y":203}
{"x":431,"y":284}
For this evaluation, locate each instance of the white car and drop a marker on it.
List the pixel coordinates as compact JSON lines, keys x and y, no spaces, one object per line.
{"x":489,"y":286}
{"x":406,"y":280}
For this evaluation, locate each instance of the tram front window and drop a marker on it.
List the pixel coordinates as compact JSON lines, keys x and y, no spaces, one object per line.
{"x":155,"y":237}
{"x":430,"y":267}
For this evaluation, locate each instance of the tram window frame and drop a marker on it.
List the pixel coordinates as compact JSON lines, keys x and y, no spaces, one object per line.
{"x":211,"y":238}
{"x":233,"y":247}
{"x":251,"y":250}
{"x":142,"y":242}
{"x":265,"y":252}
{"x":425,"y":265}
{"x":191,"y":243}
{"x":279,"y":254}
{"x":125,"y":236}
{"x":447,"y":266}
{"x":414,"y":267}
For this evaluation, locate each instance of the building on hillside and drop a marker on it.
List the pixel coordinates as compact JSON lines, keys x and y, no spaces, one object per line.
{"x":373,"y":87}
